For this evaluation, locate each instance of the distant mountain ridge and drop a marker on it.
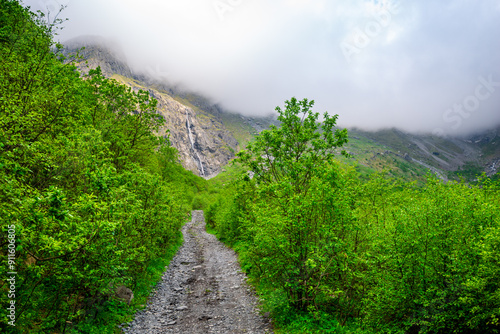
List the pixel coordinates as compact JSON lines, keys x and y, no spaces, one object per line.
{"x":98,"y":51}
{"x":207,"y":137}
{"x":447,"y":157}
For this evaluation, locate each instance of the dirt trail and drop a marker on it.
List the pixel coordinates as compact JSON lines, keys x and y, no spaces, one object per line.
{"x":203,"y":291}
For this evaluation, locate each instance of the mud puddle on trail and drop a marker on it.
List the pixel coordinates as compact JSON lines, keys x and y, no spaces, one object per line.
{"x":202,"y":291}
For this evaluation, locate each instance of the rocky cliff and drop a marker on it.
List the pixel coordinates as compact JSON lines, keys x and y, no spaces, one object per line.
{"x":203,"y":142}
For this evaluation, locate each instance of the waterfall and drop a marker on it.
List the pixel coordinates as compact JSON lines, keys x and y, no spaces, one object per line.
{"x":190,"y":136}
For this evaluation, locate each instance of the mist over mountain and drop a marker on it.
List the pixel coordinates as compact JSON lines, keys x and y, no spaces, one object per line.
{"x":204,"y":134}
{"x":207,"y":136}
{"x":417,"y":66}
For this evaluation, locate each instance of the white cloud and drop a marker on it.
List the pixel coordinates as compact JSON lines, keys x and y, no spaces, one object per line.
{"x":253,"y":55}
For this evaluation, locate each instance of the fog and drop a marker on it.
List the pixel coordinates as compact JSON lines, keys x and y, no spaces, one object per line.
{"x":429,"y":66}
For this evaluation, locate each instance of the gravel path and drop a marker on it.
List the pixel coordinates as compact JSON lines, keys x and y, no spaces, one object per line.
{"x":202,"y":291}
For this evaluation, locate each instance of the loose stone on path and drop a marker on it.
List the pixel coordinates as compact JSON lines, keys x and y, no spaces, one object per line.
{"x":202,"y":291}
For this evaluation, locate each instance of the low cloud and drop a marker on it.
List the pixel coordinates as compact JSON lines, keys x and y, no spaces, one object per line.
{"x":375,"y":63}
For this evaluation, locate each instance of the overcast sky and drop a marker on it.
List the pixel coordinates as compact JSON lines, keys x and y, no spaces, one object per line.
{"x":416,"y":65}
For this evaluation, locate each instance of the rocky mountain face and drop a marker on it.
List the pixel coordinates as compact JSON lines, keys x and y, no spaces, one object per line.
{"x":207,"y":137}
{"x":195,"y":126}
{"x":94,"y":51}
{"x":489,"y":143}
{"x":204,"y":144}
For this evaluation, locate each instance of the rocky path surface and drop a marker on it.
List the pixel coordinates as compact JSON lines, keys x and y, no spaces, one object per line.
{"x":202,"y":291}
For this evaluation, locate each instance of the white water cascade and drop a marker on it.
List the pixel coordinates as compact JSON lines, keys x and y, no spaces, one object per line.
{"x":190,"y":135}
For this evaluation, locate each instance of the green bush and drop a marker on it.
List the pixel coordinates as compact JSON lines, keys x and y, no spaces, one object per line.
{"x":429,"y":263}
{"x":199,"y":202}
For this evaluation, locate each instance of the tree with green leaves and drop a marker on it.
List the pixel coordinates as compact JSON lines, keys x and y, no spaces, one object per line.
{"x":299,"y":216}
{"x":295,"y":149}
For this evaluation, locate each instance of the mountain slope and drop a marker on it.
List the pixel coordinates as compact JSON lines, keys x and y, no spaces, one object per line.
{"x":207,"y":137}
{"x":196,"y":126}
{"x":412,"y":155}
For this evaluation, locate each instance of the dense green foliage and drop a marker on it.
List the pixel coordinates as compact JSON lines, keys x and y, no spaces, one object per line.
{"x":97,"y":200}
{"x":289,"y":168}
{"x":333,"y":252}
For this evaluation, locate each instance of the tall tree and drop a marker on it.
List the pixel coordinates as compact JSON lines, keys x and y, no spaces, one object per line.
{"x":299,"y":221}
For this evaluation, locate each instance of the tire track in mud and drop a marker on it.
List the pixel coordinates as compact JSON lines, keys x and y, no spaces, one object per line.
{"x":202,"y":291}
